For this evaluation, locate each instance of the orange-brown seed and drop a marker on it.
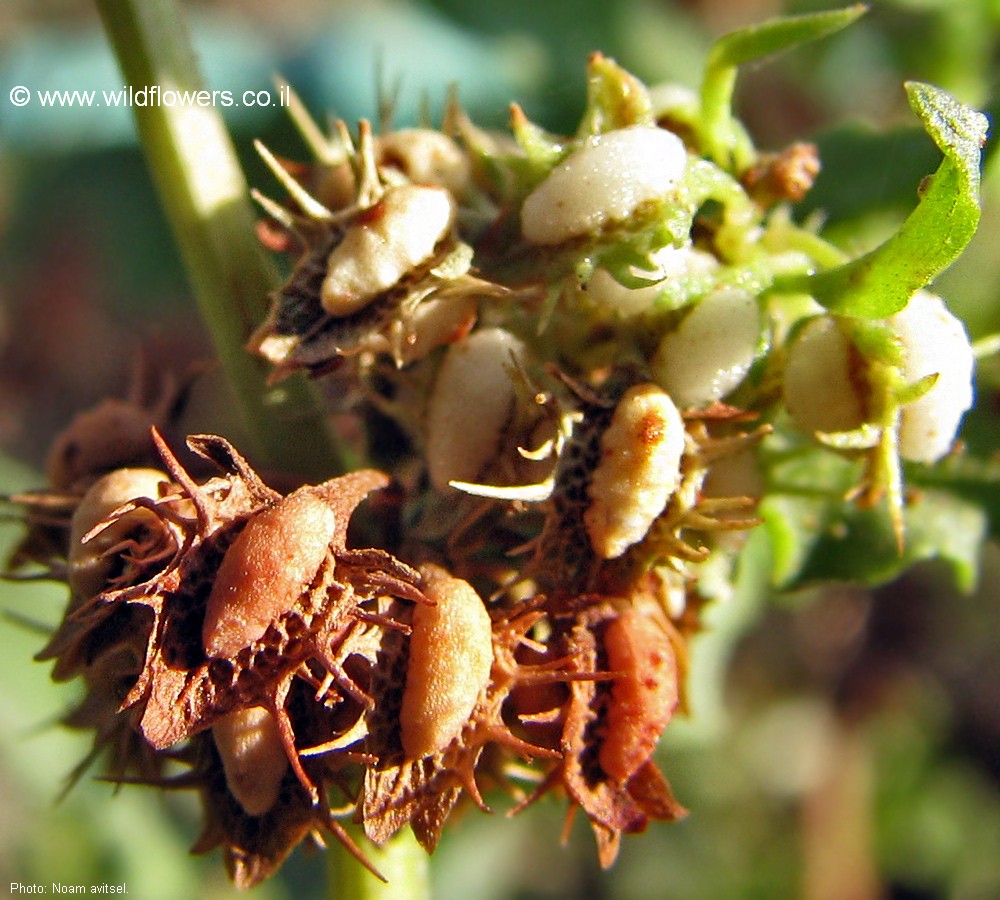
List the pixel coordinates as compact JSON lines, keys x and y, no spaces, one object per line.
{"x":643,"y":696}
{"x":451,"y":654}
{"x":265,"y":571}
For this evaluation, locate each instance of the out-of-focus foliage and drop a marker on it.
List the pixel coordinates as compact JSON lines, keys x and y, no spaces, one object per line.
{"x":835,"y":733}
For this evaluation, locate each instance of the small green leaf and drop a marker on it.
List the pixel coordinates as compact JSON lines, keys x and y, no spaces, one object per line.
{"x":881,"y":282}
{"x":862,"y":547}
{"x":817,"y":535}
{"x":781,"y":33}
{"x":723,"y":140}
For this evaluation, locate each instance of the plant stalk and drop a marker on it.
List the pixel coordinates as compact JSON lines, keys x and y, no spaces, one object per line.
{"x":401,"y":860}
{"x":204,"y":194}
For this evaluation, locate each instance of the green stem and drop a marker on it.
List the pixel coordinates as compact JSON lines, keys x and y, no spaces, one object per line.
{"x":204,"y":193}
{"x":401,"y":860}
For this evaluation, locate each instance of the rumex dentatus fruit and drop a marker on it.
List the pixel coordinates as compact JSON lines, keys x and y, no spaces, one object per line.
{"x":255,"y":594}
{"x":571,"y":331}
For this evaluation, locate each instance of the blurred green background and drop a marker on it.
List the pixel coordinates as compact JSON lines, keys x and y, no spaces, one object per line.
{"x":843,"y":743}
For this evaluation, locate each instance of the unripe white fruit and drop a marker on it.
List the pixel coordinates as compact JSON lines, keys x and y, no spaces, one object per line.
{"x":825,"y":388}
{"x":639,"y":469}
{"x":602,"y":182}
{"x":676,"y":263}
{"x":934,"y":342}
{"x":253,"y":757}
{"x":88,"y":566}
{"x":712,"y":350}
{"x":425,"y":156}
{"x":383,"y":244}
{"x":471,"y":404}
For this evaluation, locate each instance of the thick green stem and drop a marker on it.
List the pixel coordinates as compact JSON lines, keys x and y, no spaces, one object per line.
{"x":204,"y":194}
{"x":401,"y":860}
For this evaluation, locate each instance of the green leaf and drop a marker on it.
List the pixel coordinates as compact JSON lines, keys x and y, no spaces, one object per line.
{"x":972,"y":479}
{"x":781,"y":33}
{"x":817,"y":535}
{"x":723,"y":140}
{"x":881,"y":282}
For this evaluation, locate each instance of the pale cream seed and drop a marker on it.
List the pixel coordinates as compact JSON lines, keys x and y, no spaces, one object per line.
{"x":602,"y":182}
{"x":253,"y":757}
{"x":638,"y":471}
{"x":383,"y":244}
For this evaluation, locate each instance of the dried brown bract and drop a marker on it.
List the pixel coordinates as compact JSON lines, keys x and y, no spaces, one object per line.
{"x":221,"y":601}
{"x":623,"y":690}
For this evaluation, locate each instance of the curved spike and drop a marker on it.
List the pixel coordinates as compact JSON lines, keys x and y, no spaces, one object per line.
{"x":223,"y":454}
{"x":528,"y":493}
{"x":180,"y":475}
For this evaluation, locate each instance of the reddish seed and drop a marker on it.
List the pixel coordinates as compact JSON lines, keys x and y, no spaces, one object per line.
{"x":643,"y":696}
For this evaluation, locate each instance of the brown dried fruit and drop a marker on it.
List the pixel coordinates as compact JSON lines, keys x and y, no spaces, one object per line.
{"x":644,"y":694}
{"x":451,"y":652}
{"x":266,"y":569}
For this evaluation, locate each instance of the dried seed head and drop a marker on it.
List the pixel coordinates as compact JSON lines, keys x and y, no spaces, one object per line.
{"x":472,"y":401}
{"x":383,"y":244}
{"x":934,"y":343}
{"x":271,"y":562}
{"x":712,"y":350}
{"x":787,"y":175}
{"x":603,"y":182}
{"x":644,"y":694}
{"x":825,"y":388}
{"x":451,"y":653}
{"x":110,"y":436}
{"x":253,"y":757}
{"x":638,"y":470}
{"x":90,"y":562}
{"x":610,"y":729}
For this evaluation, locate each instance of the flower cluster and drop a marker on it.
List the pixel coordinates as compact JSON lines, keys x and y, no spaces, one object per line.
{"x":566,"y":353}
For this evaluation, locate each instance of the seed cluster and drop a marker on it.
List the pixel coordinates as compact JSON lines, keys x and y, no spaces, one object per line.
{"x":571,"y":345}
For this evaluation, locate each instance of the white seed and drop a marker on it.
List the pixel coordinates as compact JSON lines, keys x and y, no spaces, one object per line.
{"x":638,"y":471}
{"x":425,"y":156}
{"x":253,"y":757}
{"x":825,"y":387}
{"x":383,"y":244}
{"x":451,"y":654}
{"x":88,"y":566}
{"x":602,"y":182}
{"x":712,"y":350}
{"x":934,"y":342}
{"x":472,"y":402}
{"x":434,"y":323}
